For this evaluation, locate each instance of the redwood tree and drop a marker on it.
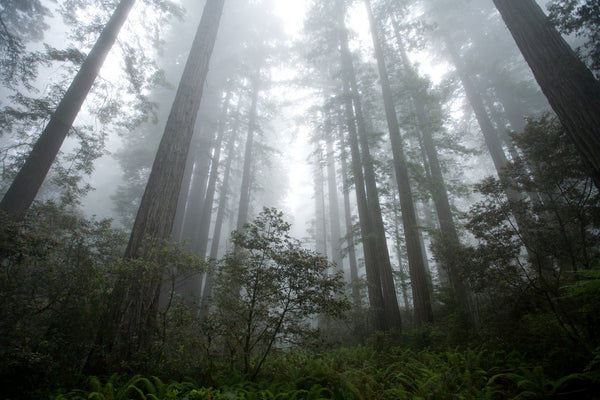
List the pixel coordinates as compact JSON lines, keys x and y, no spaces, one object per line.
{"x":30,"y":177}
{"x":569,"y":86}
{"x":134,"y":303}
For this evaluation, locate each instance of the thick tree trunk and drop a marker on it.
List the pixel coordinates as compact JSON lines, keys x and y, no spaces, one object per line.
{"x":421,"y":296}
{"x":129,"y":325}
{"x":369,"y":249}
{"x":30,"y":177}
{"x":334,"y":212}
{"x":569,"y":86}
{"x":374,"y":289}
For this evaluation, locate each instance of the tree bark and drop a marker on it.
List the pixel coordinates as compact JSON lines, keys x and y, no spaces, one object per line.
{"x":374,"y":290}
{"x":569,"y":86}
{"x":30,"y":177}
{"x":421,"y":296}
{"x":134,"y":302}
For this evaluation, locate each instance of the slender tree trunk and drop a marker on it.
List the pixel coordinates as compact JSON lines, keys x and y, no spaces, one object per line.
{"x":199,"y":179}
{"x":201,"y":234}
{"x":375,"y":293}
{"x":448,"y":241}
{"x":348,"y":219}
{"x":222,"y":207}
{"x":569,"y":86}
{"x":320,"y":224}
{"x":372,"y":269}
{"x":182,"y":199}
{"x":421,"y":296}
{"x":30,"y":177}
{"x":132,"y":316}
{"x":244,"y":204}
{"x":334,"y":213}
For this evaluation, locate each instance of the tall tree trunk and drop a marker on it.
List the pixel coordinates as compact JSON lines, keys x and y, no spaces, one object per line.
{"x":421,"y":296}
{"x":201,"y":234}
{"x":569,"y":86}
{"x":244,"y":204}
{"x":375,"y":293}
{"x":129,"y":326}
{"x":182,"y":199}
{"x":197,"y":191}
{"x":367,"y":235}
{"x":334,"y":213}
{"x":30,"y":177}
{"x":448,"y":241}
{"x":221,"y":208}
{"x":348,"y":219}
{"x":320,"y":223}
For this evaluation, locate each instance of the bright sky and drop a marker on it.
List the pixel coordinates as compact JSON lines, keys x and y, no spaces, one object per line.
{"x":291,"y":13}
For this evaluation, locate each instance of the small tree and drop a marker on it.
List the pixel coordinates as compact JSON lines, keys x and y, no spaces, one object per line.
{"x":267,"y":291}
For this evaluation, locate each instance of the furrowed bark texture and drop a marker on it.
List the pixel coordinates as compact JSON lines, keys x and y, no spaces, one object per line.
{"x":129,"y":326}
{"x":569,"y":86}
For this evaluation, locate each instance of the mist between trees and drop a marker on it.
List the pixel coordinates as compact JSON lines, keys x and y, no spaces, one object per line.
{"x":200,"y":190}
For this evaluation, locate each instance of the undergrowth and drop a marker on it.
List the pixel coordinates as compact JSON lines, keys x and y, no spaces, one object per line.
{"x":362,"y":373}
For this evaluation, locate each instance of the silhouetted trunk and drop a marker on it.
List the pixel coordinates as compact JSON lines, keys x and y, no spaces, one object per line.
{"x":244,"y":204}
{"x":30,"y":177}
{"x":221,"y":209}
{"x":320,"y":224}
{"x":201,"y":234}
{"x":205,"y":143}
{"x":569,"y":86}
{"x":134,"y":304}
{"x":366,"y":226}
{"x":349,"y":229}
{"x":421,"y":296}
{"x":182,"y":199}
{"x":448,"y":239}
{"x":334,"y":212}
{"x":400,"y":255}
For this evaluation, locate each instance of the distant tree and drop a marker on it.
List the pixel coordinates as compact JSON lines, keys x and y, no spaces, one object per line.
{"x":421,"y":292}
{"x":282,"y":286}
{"x":20,"y":22}
{"x":568,"y":84}
{"x":26,"y":184}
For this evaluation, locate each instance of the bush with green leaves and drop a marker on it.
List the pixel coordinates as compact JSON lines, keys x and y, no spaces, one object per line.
{"x":268,"y":289}
{"x":55,"y":276}
{"x":521,"y":272}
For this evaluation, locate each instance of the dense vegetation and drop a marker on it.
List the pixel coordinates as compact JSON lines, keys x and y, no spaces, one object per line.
{"x":453,"y":244}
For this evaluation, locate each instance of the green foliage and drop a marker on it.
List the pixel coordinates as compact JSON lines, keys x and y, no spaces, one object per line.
{"x":534,"y":266}
{"x":581,"y":18}
{"x":53,"y":279}
{"x":267,"y":290}
{"x":361,"y":373}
